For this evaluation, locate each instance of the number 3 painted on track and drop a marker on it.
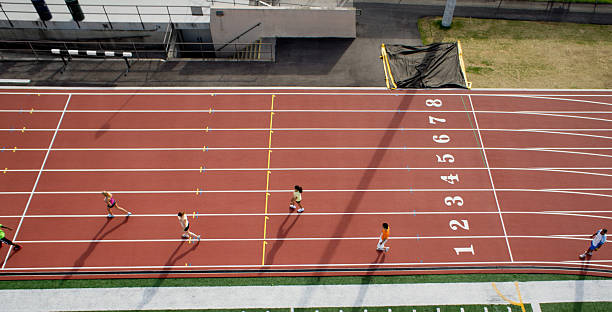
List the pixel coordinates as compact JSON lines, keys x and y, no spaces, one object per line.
{"x":452,"y":200}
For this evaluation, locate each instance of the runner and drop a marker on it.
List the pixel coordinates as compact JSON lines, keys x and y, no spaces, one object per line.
{"x":6,"y":240}
{"x":384,"y":237}
{"x":599,"y":238}
{"x":185,"y":226}
{"x":296,"y":198}
{"x":111,"y":203}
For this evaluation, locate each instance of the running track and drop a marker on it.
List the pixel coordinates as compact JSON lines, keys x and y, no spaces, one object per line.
{"x":470,"y":181}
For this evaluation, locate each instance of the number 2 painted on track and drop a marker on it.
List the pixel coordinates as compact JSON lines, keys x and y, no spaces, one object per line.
{"x":446,"y":158}
{"x":464,"y":225}
{"x":453,"y":200}
{"x":433,"y":103}
{"x":434,"y":120}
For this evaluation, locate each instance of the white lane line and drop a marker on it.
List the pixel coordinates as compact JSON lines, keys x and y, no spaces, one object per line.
{"x":37,"y":179}
{"x":546,"y":149}
{"x":570,"y":263}
{"x":392,"y":111}
{"x":149,"y":192}
{"x":415,"y":212}
{"x":560,"y":170}
{"x":284,"y":239}
{"x":542,"y":130}
{"x":501,"y":218}
{"x":311,"y":169}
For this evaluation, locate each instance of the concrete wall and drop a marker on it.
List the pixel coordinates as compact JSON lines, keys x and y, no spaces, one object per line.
{"x":280,"y":22}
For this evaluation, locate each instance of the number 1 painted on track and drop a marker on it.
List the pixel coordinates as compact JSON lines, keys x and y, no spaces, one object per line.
{"x":459,"y":250}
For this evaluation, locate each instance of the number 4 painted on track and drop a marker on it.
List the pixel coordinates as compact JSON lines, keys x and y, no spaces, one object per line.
{"x":451,"y":178}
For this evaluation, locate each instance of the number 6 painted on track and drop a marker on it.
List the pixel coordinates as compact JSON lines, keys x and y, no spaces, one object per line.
{"x":442,"y":138}
{"x":452,"y":200}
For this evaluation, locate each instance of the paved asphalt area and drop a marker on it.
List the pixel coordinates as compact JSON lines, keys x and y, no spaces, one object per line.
{"x":323,"y":62}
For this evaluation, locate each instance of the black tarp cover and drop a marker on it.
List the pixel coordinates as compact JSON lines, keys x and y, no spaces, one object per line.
{"x":437,"y":65}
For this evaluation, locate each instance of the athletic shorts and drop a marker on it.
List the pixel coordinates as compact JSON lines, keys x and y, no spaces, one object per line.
{"x":111,"y":206}
{"x":186,"y":228}
{"x":593,"y":247}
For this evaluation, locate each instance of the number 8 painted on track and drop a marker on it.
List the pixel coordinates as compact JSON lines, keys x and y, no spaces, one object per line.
{"x":433,"y":103}
{"x":452,"y":200}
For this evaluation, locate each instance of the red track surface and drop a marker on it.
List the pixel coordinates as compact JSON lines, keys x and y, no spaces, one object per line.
{"x":532,"y":191}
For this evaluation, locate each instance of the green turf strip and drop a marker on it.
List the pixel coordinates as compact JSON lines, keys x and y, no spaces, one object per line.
{"x":443,"y":308}
{"x":271,"y":281}
{"x":577,"y":307}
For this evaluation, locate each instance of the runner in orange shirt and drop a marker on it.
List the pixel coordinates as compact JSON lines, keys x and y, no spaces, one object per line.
{"x":384,"y":237}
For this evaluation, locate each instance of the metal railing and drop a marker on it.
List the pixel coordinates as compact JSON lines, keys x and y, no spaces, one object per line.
{"x":110,"y":10}
{"x":41,"y":50}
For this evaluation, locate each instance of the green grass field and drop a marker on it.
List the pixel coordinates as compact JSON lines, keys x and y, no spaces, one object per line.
{"x":523,"y":54}
{"x":273,"y":281}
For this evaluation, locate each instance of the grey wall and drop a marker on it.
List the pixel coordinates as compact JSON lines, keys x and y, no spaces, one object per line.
{"x":280,"y":22}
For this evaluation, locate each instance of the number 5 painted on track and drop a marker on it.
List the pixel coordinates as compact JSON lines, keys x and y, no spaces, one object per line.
{"x":454,"y":224}
{"x":446,"y":157}
{"x":433,"y":103}
{"x":453,"y":200}
{"x":433,"y":120}
{"x":442,"y":138}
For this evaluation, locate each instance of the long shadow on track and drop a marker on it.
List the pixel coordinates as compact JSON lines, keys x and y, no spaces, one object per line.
{"x":579,"y":294}
{"x":104,"y":129}
{"x":150,"y":292}
{"x":100,"y":235}
{"x":366,"y":180}
{"x":283,"y":230}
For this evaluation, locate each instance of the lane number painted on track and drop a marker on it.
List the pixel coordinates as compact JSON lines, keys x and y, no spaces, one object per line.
{"x":451,"y":178}
{"x":441,"y":139}
{"x":454,"y":225}
{"x":434,"y":120}
{"x":433,"y":103}
{"x":453,"y":200}
{"x":459,"y":250}
{"x":446,"y":158}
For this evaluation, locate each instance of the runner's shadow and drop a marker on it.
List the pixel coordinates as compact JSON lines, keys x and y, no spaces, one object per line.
{"x":100,"y":235}
{"x":283,"y":230}
{"x":579,"y":285}
{"x":366,"y":280}
{"x":104,"y":129}
{"x":150,"y":292}
{"x":366,"y":180}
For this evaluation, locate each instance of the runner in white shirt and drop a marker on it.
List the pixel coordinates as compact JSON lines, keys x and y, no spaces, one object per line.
{"x":599,"y":238}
